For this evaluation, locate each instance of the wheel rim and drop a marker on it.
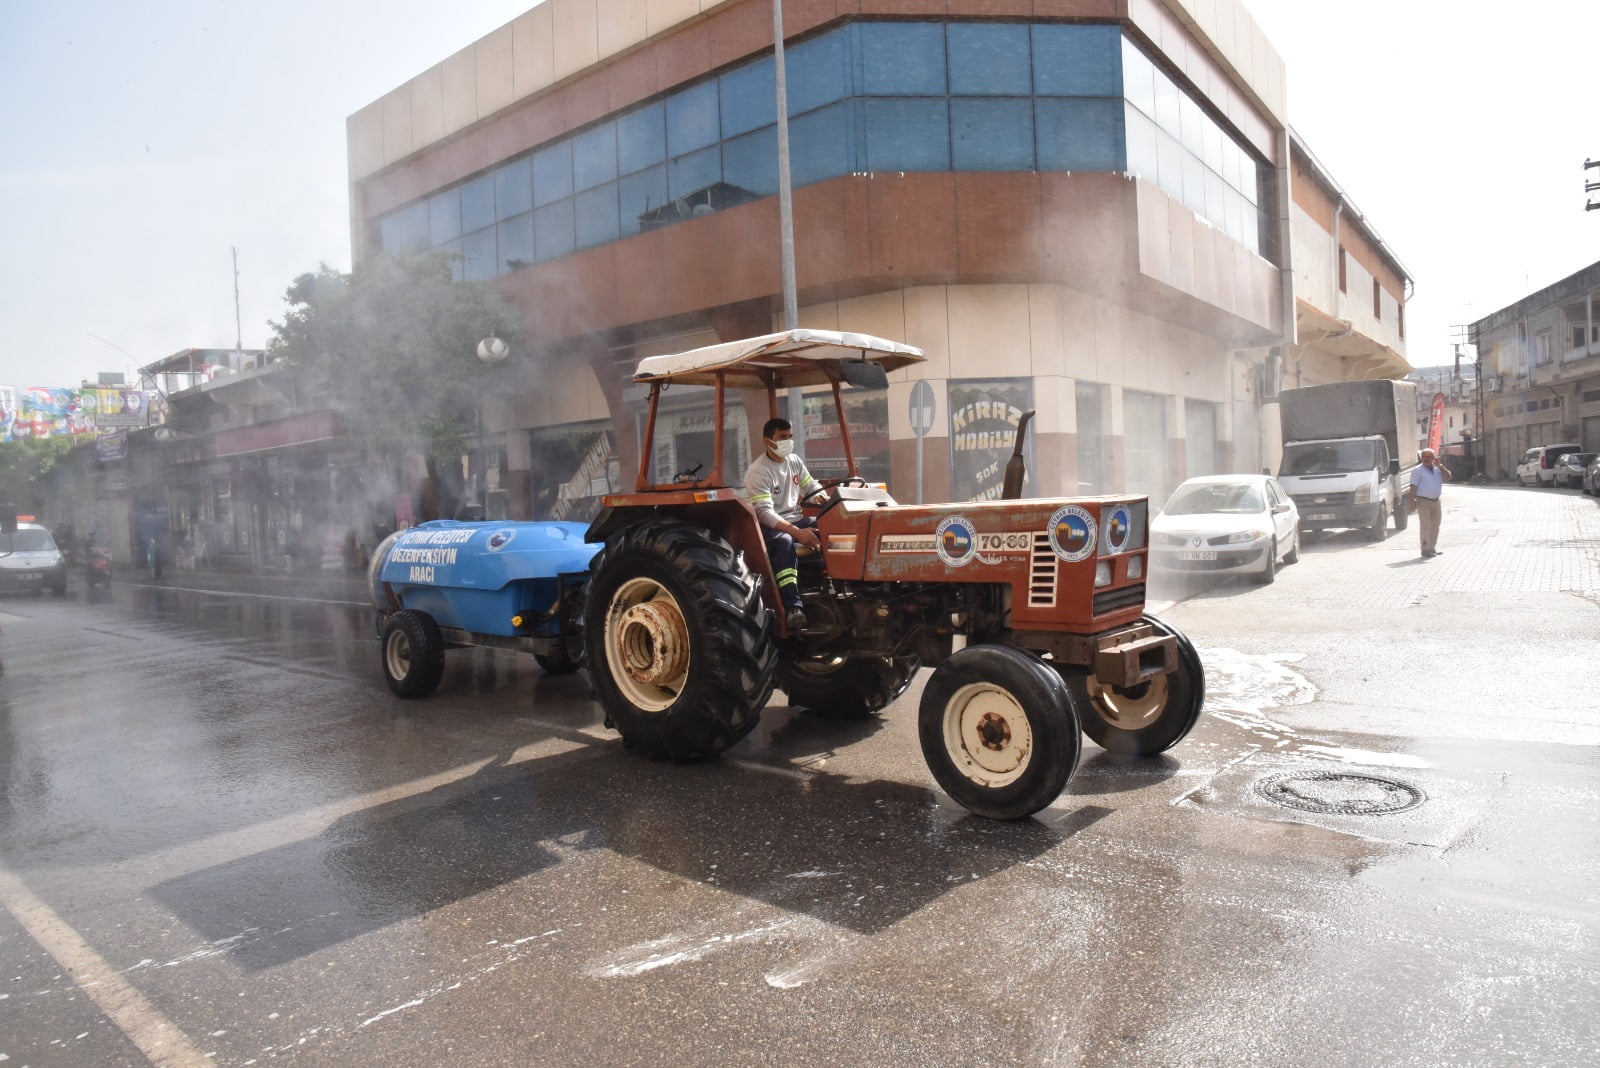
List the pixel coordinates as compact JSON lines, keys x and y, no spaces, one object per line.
{"x":397,"y":655}
{"x":1130,"y":710}
{"x":647,"y":644}
{"x":987,"y":734}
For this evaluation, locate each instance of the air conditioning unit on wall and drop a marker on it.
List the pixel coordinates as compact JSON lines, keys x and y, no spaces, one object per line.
{"x":1493,"y":383}
{"x":1271,"y":377}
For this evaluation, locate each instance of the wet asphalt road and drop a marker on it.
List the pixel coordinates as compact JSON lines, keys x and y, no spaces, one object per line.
{"x":222,"y":841}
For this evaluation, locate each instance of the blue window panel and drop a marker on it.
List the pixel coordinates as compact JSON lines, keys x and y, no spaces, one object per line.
{"x":594,"y":156}
{"x":1138,"y":78}
{"x":515,"y":238}
{"x":641,"y":139}
{"x":444,"y":216}
{"x":595,"y":216}
{"x":817,"y":72}
{"x":1140,"y":137}
{"x":1082,"y":134}
{"x":552,"y":173}
{"x":692,"y":173}
{"x":820,"y":145}
{"x":513,"y":189}
{"x":751,"y":162}
{"x":991,"y":135}
{"x":477,"y":203}
{"x":692,"y":119}
{"x":907,"y":135}
{"x":900,"y":58}
{"x":458,"y":267}
{"x":406,"y":230}
{"x":552,"y":230}
{"x":478,"y":255}
{"x":1077,"y":60}
{"x":749,"y":97}
{"x":638,"y":196}
{"x":989,"y":59}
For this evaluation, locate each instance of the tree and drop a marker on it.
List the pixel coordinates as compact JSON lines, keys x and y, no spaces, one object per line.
{"x":393,"y":345}
{"x":23,"y":467}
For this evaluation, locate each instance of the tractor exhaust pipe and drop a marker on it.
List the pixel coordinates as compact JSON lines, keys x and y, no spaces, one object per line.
{"x":1016,"y":467}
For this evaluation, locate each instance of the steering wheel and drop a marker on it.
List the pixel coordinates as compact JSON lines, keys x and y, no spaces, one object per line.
{"x":833,"y":501}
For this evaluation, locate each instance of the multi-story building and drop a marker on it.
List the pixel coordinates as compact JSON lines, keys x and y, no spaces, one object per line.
{"x":1091,"y":208}
{"x":1541,"y":369}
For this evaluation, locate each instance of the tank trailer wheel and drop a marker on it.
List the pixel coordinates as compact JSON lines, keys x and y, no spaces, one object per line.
{"x":840,"y":688}
{"x":1147,"y":720}
{"x":678,"y":641}
{"x":413,"y":653}
{"x":999,"y":731}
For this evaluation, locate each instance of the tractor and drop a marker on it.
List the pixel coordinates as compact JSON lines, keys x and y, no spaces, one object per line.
{"x":1029,"y":611}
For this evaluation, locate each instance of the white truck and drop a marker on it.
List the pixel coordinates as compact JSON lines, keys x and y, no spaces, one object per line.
{"x":1348,"y":451}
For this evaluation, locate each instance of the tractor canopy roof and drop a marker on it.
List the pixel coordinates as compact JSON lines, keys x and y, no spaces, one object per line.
{"x":778,"y":361}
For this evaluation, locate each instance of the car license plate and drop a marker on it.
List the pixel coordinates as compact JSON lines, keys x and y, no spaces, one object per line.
{"x":1320,"y":515}
{"x":1197,"y":556}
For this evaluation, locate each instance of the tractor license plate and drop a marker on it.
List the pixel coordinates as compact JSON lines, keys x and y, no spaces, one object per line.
{"x":1320,"y":515}
{"x":1197,"y":556}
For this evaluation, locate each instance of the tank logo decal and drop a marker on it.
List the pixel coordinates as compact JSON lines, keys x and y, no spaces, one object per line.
{"x":956,"y":541}
{"x":1072,"y":533}
{"x":500,"y":539}
{"x":1119,"y":525}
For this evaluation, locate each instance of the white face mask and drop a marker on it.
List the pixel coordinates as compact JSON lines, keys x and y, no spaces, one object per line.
{"x":784,"y":448}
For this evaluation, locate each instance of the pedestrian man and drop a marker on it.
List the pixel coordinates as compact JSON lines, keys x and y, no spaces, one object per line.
{"x":1427,"y":482}
{"x":775,"y":483}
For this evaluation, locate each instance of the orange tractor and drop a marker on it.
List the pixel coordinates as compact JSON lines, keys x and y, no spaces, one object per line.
{"x":1030,"y":612}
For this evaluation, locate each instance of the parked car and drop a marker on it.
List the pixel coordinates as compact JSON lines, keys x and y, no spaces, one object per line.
{"x":1569,"y":467}
{"x":1226,"y":524}
{"x":1538,"y":463}
{"x":1591,"y":476}
{"x":30,"y":561}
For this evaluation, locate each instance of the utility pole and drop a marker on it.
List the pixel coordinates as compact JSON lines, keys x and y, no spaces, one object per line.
{"x":791,"y":301}
{"x":1590,"y":187}
{"x":238,"y":331}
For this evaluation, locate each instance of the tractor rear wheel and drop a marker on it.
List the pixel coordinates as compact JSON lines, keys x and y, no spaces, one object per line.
{"x":413,"y":653}
{"x":999,"y":731}
{"x":678,"y":641}
{"x":840,"y":688}
{"x":1153,"y":716}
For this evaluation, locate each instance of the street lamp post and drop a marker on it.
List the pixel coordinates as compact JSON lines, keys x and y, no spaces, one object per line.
{"x":491,"y":350}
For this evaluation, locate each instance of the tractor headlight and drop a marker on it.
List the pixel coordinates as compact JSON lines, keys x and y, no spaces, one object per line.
{"x":1136,"y":567}
{"x":1102,"y":573}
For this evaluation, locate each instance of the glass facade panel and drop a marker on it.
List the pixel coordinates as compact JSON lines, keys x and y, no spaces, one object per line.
{"x":444,"y":216}
{"x":1138,"y":78}
{"x":552,"y":230}
{"x":478,"y":252}
{"x":749,"y":97}
{"x":477,"y":203}
{"x":907,"y":135}
{"x":989,"y":59}
{"x":1077,"y":60}
{"x":692,"y":119}
{"x":900,"y":58}
{"x":641,"y":139}
{"x":515,"y":240}
{"x":694,"y":172}
{"x":1080,"y":134}
{"x":821,"y":145}
{"x":406,"y":230}
{"x":638,"y":196}
{"x":991,"y":135}
{"x":594,"y":156}
{"x":817,"y":71}
{"x":1141,"y":141}
{"x":751,"y":162}
{"x":552,"y":173}
{"x":595,"y":216}
{"x":513,"y":188}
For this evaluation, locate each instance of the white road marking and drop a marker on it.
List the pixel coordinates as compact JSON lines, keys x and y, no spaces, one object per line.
{"x":156,"y":1036}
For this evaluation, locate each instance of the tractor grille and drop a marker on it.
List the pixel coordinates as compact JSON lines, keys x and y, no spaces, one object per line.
{"x":1043,"y":571}
{"x":1116,"y":600}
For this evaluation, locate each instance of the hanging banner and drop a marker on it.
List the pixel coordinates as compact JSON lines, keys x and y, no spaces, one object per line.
{"x":983,"y":429}
{"x":55,"y":411}
{"x":1436,"y":423}
{"x":112,"y":446}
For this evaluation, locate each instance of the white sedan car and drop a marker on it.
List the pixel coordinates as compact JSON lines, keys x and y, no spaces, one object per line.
{"x":1226,"y":525}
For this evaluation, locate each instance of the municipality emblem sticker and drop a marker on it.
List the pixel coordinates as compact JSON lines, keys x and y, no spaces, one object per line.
{"x":1119,"y":528}
{"x":500,"y":539}
{"x":955,"y":541}
{"x":1072,"y":534}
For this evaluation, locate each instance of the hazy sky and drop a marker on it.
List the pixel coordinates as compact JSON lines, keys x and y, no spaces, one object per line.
{"x":141,"y":141}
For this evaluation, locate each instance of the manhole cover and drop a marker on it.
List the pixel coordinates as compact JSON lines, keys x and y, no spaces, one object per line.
{"x":1339,"y":793}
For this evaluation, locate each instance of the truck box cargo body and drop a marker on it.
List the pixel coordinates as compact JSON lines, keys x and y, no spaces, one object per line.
{"x":1348,"y":451}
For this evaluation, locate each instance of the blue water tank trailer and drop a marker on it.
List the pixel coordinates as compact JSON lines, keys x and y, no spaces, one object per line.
{"x":451,"y":584}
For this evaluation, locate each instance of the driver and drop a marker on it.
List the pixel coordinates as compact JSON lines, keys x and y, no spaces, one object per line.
{"x":776,"y":482}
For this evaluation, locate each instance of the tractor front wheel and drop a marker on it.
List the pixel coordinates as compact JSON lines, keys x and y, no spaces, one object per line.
{"x":1149,"y":718}
{"x":999,"y":731}
{"x":678,"y":641}
{"x":839,"y":688}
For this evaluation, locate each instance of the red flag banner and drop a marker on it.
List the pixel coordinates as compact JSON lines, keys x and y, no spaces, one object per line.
{"x":1436,"y":423}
